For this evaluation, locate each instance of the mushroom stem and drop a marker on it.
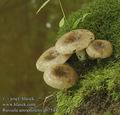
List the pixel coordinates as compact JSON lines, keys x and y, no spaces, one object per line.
{"x":81,"y":55}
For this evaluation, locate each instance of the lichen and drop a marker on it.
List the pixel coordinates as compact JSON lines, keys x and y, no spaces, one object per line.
{"x":102,"y":77}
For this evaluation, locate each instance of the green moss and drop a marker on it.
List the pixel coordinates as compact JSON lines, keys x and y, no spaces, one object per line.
{"x":107,"y":113}
{"x":104,"y":20}
{"x":105,"y":79}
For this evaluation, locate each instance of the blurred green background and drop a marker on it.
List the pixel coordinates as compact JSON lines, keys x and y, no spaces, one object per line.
{"x":24,"y":36}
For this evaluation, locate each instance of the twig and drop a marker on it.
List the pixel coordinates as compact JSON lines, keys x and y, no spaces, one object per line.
{"x":62,"y":9}
{"x":43,"y":5}
{"x":61,"y":6}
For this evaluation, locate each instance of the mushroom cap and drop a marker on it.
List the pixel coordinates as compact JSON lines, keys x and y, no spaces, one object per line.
{"x":99,"y":49}
{"x":49,"y":58}
{"x":73,"y":40}
{"x":60,"y":76}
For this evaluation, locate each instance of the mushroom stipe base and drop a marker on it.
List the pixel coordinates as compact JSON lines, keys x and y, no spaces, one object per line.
{"x":99,"y":92}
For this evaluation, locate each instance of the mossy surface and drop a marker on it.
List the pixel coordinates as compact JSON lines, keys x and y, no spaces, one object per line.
{"x":98,"y":90}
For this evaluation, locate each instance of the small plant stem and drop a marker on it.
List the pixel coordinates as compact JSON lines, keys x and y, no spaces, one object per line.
{"x":61,"y":6}
{"x":43,"y":5}
{"x":62,"y":9}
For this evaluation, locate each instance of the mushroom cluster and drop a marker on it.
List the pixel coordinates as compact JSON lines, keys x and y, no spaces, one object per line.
{"x":52,"y":62}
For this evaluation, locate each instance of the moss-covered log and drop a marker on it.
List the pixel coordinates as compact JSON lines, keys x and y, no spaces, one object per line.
{"x":98,"y":89}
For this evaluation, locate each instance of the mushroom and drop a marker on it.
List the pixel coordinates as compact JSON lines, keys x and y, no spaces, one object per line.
{"x":60,"y":76}
{"x":50,"y":57}
{"x":81,"y":55}
{"x":99,"y":49}
{"x":73,"y":40}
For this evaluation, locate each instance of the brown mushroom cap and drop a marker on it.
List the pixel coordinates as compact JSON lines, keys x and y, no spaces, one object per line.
{"x":75,"y":39}
{"x":100,"y":49}
{"x":61,"y":76}
{"x":49,"y":58}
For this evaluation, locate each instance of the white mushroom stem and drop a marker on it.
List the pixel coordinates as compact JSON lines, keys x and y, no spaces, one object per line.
{"x":81,"y":55}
